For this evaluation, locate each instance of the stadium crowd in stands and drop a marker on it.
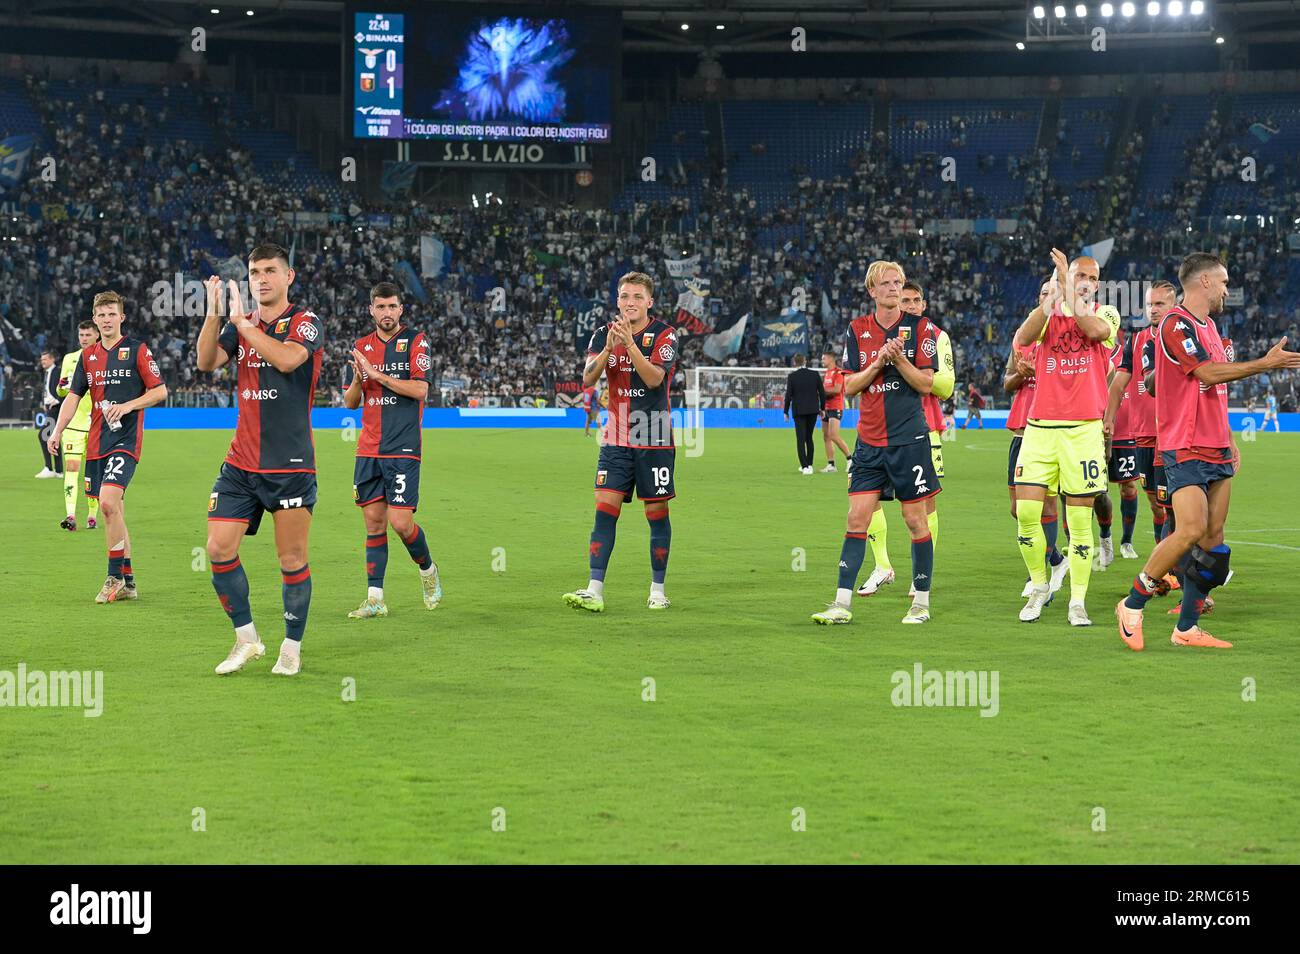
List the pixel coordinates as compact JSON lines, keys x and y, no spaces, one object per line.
{"x":140,"y":207}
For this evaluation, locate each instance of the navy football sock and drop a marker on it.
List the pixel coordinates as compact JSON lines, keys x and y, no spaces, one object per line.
{"x":1128,"y":511}
{"x":602,"y":539}
{"x":418,"y":547}
{"x":922,"y":563}
{"x":851,"y":556}
{"x":661,"y":536}
{"x":127,"y":575}
{"x":1189,"y":613}
{"x":376,"y":559}
{"x":1052,"y":527}
{"x":231,"y":584}
{"x":296,"y":593}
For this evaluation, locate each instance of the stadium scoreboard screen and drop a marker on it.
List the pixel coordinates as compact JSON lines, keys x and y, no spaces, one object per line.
{"x":486,"y":73}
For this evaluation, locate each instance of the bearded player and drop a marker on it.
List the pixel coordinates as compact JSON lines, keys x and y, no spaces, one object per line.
{"x":74,"y":437}
{"x":890,"y":356}
{"x":387,"y":370}
{"x":121,"y":378}
{"x":1063,"y":445}
{"x":1019,"y":379}
{"x":1192,"y":371}
{"x":271,"y":464}
{"x":912,"y":301}
{"x":636,"y":354}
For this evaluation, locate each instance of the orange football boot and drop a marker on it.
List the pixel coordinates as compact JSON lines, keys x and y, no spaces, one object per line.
{"x":1198,"y":637}
{"x":1130,"y":626}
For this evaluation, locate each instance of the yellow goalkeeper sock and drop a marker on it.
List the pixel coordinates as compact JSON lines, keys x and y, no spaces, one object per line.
{"x":1032,"y":540}
{"x":877,"y":536}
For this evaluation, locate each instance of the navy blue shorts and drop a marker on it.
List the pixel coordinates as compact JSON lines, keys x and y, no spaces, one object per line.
{"x":1194,"y":473}
{"x":907,"y":470}
{"x":1146,"y":467}
{"x":116,"y":470}
{"x":1123,"y":466}
{"x":243,"y":495}
{"x":831,"y":412}
{"x":647,"y":469}
{"x":394,"y":480}
{"x":1013,"y":452}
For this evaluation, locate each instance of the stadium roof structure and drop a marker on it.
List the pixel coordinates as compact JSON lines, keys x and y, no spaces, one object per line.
{"x":652,"y":26}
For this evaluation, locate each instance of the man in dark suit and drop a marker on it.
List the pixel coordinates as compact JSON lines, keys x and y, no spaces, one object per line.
{"x":805,"y":396}
{"x":46,"y":414}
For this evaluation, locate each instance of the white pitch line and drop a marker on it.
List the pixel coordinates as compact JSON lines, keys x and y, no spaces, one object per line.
{"x":1273,"y":530}
{"x":1252,"y":543}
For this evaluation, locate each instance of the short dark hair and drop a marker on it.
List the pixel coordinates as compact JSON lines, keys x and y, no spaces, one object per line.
{"x":1194,"y":264}
{"x":269,"y":250}
{"x":913,"y":286}
{"x":88,"y":326}
{"x":386,"y":290}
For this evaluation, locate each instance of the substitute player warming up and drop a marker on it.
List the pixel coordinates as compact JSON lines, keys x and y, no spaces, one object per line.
{"x":271,"y":465}
{"x":387,"y":372}
{"x":636,"y":353}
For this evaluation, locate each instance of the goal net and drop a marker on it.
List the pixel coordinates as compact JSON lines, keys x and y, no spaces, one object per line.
{"x":735,"y":387}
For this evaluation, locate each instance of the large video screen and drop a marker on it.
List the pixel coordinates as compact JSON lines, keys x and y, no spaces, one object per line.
{"x":481,"y":71}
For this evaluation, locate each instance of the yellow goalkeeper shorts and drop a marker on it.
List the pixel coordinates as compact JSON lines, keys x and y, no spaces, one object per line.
{"x":74,"y":443}
{"x":1063,"y":457}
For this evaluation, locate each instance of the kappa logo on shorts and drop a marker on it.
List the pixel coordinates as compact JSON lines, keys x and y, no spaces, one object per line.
{"x":600,"y":478}
{"x":1020,"y":471}
{"x":356,"y":492}
{"x":212,"y":502}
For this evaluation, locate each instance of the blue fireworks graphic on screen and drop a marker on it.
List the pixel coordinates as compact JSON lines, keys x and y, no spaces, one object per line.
{"x":507,"y":71}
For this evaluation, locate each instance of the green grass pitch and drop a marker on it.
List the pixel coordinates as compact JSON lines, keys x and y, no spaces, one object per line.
{"x":503,"y":698}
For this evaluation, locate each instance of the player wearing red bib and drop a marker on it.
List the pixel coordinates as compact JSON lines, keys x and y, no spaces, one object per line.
{"x":636,"y":354}
{"x":122,"y":378}
{"x":1126,"y":392}
{"x":1019,"y":378}
{"x":387,"y":376}
{"x":1192,"y":371}
{"x":271,"y":465}
{"x":1063,"y":444}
